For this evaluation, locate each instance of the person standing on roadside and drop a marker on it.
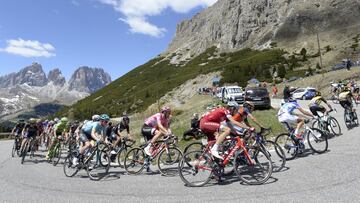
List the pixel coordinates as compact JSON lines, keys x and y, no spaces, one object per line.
{"x":286,"y":93}
{"x":274,"y":91}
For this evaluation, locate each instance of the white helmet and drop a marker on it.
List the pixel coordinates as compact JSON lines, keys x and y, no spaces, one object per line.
{"x":95,"y":117}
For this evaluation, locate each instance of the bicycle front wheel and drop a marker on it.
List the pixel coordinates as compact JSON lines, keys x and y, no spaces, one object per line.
{"x":195,"y":168}
{"x":288,"y":145}
{"x":276,"y":154}
{"x":121,"y":157}
{"x":13,"y":150}
{"x":135,"y":161}
{"x":168,"y":161}
{"x":98,"y":166}
{"x":56,"y":155}
{"x":255,"y":171}
{"x":334,"y":126}
{"x":24,"y":152}
{"x":69,"y":168}
{"x":317,"y":140}
{"x":195,"y":146}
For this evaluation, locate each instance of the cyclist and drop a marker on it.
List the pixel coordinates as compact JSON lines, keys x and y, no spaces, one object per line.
{"x":59,"y":130}
{"x":211,"y":126}
{"x":286,"y":115}
{"x":155,"y":127}
{"x":117,"y":131}
{"x":30,"y":131}
{"x":315,"y":106}
{"x":92,"y":131}
{"x":345,"y":99}
{"x":18,"y":128}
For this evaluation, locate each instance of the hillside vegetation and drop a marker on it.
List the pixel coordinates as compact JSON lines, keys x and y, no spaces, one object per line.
{"x":144,"y":85}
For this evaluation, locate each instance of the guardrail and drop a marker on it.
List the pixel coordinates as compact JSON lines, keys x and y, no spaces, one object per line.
{"x":5,"y":135}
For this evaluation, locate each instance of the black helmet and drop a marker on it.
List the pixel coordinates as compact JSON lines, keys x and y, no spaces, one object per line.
{"x":126,"y":118}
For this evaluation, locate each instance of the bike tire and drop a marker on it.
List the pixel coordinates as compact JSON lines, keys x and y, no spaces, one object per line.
{"x":69,"y":169}
{"x":194,"y":146}
{"x":13,"y":149}
{"x":334,"y":126}
{"x":356,"y":119}
{"x":121,"y":157}
{"x":24,"y":152}
{"x":135,"y":161}
{"x":317,"y":140}
{"x":242,"y":167}
{"x":168,"y":161}
{"x":196,"y":159}
{"x":278,"y":162}
{"x":56,"y":156}
{"x":347,"y":123}
{"x":96,"y":167}
{"x":288,"y":145}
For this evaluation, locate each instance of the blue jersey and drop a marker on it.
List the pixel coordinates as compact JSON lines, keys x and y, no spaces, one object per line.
{"x":90,"y":125}
{"x":288,"y":107}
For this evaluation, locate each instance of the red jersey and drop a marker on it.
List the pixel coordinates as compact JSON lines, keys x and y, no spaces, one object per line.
{"x":217,"y":115}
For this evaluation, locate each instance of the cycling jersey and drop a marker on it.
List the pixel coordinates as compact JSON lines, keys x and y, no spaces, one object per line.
{"x":90,"y":125}
{"x":344,"y":96}
{"x":31,"y":130}
{"x":121,"y":127}
{"x":217,"y":115}
{"x":288,"y":108}
{"x":18,"y":128}
{"x":60,"y":128}
{"x":316,"y":101}
{"x":154,"y":121}
{"x":241,"y":115}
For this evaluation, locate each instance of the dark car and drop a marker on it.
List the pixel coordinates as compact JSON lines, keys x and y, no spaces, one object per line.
{"x":338,"y":66}
{"x":259,"y":96}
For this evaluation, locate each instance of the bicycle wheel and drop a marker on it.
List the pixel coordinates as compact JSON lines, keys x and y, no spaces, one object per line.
{"x":257,"y":172}
{"x":56,"y":155}
{"x":316,"y":124}
{"x":317,"y":140}
{"x":121,"y":157}
{"x":334,"y":126}
{"x":135,"y":161}
{"x":195,"y":168}
{"x":195,"y":146}
{"x":288,"y":145}
{"x":98,"y":166}
{"x":347,"y":120}
{"x":355,"y":119}
{"x":69,"y":169}
{"x":276,"y":154}
{"x":24,"y":152}
{"x":168,"y":161}
{"x":13,"y":150}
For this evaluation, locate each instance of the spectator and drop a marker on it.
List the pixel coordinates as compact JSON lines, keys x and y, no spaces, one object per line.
{"x":348,"y":64}
{"x":286,"y":93}
{"x":274,"y":91}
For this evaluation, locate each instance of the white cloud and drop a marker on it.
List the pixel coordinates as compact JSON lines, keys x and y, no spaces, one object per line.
{"x":29,"y":48}
{"x":137,"y":11}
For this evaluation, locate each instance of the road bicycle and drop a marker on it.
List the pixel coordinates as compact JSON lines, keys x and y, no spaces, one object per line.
{"x":167,"y":153}
{"x":328,"y":124}
{"x":91,"y":162}
{"x":121,"y":151}
{"x":54,"y":154}
{"x":16,"y":146}
{"x":292,"y":146}
{"x":251,"y":163}
{"x":29,"y":146}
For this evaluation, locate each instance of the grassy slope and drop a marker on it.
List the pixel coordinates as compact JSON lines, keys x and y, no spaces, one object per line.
{"x":142,"y":86}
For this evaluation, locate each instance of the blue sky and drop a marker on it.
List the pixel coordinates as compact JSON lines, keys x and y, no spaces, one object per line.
{"x":117,"y":35}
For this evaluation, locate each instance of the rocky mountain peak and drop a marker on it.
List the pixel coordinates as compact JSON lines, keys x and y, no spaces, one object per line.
{"x":32,"y":75}
{"x":86,"y":79}
{"x":56,"y":77}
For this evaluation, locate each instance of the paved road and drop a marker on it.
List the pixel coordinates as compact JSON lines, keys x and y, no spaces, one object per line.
{"x":330,"y":177}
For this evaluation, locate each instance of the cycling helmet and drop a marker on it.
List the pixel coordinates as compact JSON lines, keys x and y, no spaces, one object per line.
{"x":126,"y":118}
{"x":104,"y":117}
{"x":317,"y":93}
{"x":165,"y":109}
{"x":32,"y":120}
{"x":95,"y":117}
{"x":196,"y":115}
{"x":56,"y":120}
{"x":233,"y":104}
{"x":248,"y":105}
{"x":64,"y":120}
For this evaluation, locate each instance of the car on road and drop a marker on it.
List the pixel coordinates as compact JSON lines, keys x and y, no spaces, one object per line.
{"x":293,"y":79}
{"x":259,"y":96}
{"x":304,"y":93}
{"x":232,"y":93}
{"x":338,"y":66}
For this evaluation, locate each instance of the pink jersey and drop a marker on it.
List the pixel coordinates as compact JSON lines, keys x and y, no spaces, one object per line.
{"x":157,"y":118}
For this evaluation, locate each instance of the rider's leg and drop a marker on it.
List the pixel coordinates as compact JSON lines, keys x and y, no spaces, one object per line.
{"x":157,"y":135}
{"x":214,"y":150}
{"x":300,"y":123}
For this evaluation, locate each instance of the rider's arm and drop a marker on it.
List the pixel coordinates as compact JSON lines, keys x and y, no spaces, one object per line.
{"x":241,"y":125}
{"x":161,"y":127}
{"x":303,"y":111}
{"x":94,"y":134}
{"x":255,"y":120}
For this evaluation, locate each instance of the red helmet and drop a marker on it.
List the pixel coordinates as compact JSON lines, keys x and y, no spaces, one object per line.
{"x":165,"y":109}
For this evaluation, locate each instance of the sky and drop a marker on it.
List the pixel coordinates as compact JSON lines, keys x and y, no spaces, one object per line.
{"x":116,"y":35}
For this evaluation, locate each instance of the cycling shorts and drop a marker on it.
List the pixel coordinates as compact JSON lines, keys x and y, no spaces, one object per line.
{"x":288,"y":118}
{"x":346,"y":104}
{"x":209,"y":128}
{"x":148,"y":132}
{"x":84,"y":137}
{"x":315,"y":109}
